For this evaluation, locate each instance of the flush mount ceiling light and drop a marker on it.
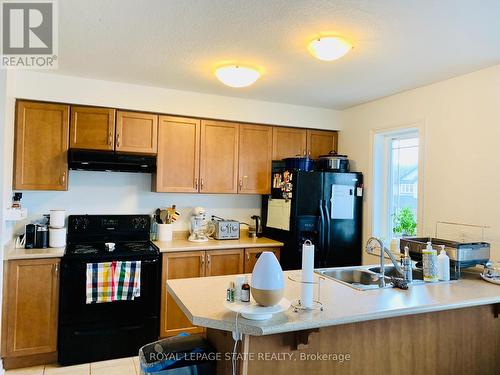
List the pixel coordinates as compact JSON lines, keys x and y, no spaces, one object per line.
{"x":236,"y":75}
{"x":329,"y":48}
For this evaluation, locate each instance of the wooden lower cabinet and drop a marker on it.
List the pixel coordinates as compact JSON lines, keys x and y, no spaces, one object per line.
{"x":224,"y":262}
{"x":178,"y":265}
{"x":253,"y":254}
{"x":31,"y":303}
{"x":186,"y":264}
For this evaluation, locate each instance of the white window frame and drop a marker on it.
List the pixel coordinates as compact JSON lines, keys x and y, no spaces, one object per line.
{"x":381,"y":222}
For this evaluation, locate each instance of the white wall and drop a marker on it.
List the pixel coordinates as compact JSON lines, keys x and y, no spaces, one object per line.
{"x":95,"y":192}
{"x":461,"y":122}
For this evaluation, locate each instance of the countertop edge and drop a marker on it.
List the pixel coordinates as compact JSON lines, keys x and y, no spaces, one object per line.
{"x":262,"y":331}
{"x":170,"y":247}
{"x":10,"y":252}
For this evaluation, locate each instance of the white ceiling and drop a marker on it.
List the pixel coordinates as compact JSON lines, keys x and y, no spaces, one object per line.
{"x":398,"y":45}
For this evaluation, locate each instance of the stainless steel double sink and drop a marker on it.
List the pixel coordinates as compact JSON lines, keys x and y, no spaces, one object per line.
{"x":366,"y":277}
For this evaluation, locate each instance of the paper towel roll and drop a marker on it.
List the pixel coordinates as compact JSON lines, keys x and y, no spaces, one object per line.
{"x":306,"y":295}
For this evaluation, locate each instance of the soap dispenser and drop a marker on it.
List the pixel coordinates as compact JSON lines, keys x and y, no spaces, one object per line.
{"x":443,"y":265}
{"x":429,"y":260}
{"x":406,"y":265}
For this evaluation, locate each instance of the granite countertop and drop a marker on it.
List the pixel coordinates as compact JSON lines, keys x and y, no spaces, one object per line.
{"x":202,"y":300}
{"x":183,"y":244}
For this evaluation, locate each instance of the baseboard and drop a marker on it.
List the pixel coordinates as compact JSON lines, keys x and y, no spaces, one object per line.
{"x":29,"y":360}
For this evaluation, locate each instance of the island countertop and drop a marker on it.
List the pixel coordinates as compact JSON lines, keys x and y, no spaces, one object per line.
{"x":201,"y":299}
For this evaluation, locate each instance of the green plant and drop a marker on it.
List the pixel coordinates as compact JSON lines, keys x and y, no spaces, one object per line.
{"x":404,"y":222}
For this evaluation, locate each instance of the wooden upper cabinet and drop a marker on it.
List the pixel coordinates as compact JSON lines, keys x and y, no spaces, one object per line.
{"x":321,"y":142}
{"x":255,"y":159}
{"x":31,"y":307}
{"x":178,"y":160}
{"x":136,"y":132}
{"x":288,"y":142}
{"x":224,"y":262}
{"x":177,"y":266}
{"x":219,"y":157}
{"x":41,"y":146}
{"x":92,"y":128}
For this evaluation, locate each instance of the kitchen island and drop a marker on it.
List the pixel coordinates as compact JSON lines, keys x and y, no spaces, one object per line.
{"x":428,"y":329}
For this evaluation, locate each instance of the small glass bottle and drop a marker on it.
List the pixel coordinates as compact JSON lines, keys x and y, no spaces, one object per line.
{"x":230,"y":292}
{"x":245,"y":291}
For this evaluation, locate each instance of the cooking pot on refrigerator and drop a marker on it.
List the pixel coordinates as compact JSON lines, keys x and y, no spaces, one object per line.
{"x":334,"y":162}
{"x":299,"y":163}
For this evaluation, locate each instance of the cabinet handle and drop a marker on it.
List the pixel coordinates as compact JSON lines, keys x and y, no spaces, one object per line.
{"x":196,"y":183}
{"x":304,"y":152}
{"x":118,"y":140}
{"x":208,"y":259}
{"x":110,"y":138}
{"x":248,"y":257}
{"x":63,"y":178}
{"x":201,"y":181}
{"x":56,"y":269}
{"x":202,"y":259}
{"x":241,"y":183}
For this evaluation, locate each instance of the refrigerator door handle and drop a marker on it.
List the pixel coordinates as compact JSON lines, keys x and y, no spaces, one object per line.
{"x":322,"y":231}
{"x":328,"y":231}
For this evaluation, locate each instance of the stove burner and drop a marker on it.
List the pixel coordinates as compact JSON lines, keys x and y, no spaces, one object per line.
{"x":136,"y":246}
{"x":85,"y":249}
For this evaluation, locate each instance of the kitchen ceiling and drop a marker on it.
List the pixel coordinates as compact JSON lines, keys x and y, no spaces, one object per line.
{"x":398,"y":45}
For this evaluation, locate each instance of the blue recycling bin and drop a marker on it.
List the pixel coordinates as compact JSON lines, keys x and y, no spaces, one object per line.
{"x":179,"y":355}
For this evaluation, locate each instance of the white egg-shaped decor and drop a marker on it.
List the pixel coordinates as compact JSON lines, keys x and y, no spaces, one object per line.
{"x":268,"y":281}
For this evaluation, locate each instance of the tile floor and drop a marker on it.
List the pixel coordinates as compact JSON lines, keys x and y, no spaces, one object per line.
{"x":122,"y":366}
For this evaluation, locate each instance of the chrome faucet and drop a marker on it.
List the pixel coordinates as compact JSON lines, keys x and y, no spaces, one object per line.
{"x":370,"y":246}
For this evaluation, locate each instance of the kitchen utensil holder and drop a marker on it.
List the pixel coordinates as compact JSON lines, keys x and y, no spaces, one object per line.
{"x":317,"y":304}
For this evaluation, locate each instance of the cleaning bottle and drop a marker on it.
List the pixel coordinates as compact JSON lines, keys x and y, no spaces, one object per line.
{"x":429,"y":260}
{"x":406,"y":265}
{"x":443,"y":265}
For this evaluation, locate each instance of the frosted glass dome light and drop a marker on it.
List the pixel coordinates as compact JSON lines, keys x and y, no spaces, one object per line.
{"x":329,"y":48}
{"x":237,"y":76}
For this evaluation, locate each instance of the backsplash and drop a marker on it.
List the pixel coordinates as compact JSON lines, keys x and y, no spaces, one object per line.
{"x":130,"y":193}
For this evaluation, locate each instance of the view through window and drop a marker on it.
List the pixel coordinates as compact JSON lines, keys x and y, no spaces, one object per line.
{"x":402,"y":185}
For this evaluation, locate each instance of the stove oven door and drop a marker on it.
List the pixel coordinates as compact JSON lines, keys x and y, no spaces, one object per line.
{"x":93,"y":332}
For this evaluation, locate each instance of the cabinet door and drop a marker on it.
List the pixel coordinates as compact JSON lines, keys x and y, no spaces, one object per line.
{"x":178,"y":160}
{"x":31,"y":306}
{"x":41,"y":146}
{"x":224,"y":262}
{"x":177,"y":266}
{"x":253,"y":254}
{"x":255,"y":159}
{"x":288,"y":142}
{"x":136,"y":132}
{"x":219,"y":157}
{"x":92,"y":128}
{"x":321,"y":142}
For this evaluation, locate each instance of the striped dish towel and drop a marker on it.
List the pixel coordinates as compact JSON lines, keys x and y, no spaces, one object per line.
{"x":113,"y":281}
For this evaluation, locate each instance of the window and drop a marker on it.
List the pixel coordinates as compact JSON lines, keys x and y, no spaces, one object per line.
{"x":396,"y":162}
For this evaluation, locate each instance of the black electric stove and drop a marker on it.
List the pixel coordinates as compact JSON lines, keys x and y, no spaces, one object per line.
{"x":96,"y":332}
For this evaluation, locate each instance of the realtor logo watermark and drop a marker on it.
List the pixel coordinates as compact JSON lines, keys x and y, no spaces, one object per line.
{"x":29,"y":34}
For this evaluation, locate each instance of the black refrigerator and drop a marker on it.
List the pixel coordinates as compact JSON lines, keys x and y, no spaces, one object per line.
{"x":323,"y":207}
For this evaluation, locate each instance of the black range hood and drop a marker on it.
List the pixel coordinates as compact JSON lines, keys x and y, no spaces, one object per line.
{"x":89,"y":160}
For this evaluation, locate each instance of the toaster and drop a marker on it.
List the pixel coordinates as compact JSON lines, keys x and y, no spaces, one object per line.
{"x":226,"y":229}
